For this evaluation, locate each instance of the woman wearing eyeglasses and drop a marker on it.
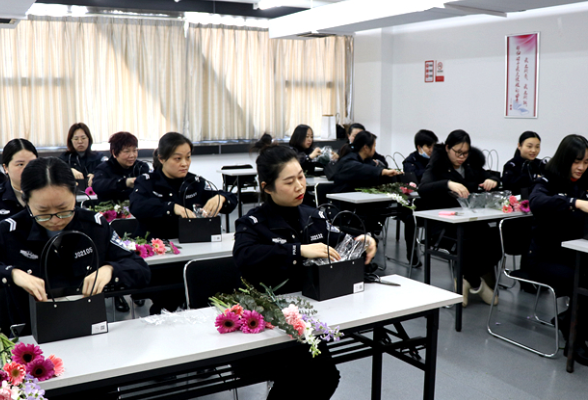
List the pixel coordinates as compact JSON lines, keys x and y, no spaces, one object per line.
{"x":456,"y":170}
{"x":79,"y":155}
{"x":49,"y":188}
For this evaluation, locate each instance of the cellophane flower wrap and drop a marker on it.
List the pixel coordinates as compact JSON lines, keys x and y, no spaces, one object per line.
{"x":512,"y":204}
{"x":148,"y":248}
{"x":398,"y":192}
{"x":112,"y":210}
{"x":250,"y":311}
{"x":23,"y":367}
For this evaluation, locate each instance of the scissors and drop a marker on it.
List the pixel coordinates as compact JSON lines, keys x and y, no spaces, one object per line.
{"x":373,"y":278}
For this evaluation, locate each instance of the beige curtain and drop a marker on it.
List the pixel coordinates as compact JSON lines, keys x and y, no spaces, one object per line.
{"x":149,"y":77}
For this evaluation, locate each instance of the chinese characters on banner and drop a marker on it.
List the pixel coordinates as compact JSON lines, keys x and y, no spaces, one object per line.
{"x":522,"y":63}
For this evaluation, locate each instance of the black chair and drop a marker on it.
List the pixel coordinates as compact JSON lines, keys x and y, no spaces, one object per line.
{"x":515,"y":237}
{"x":124,"y":226}
{"x":206,"y":277}
{"x":321,"y":190}
{"x":230,"y":182}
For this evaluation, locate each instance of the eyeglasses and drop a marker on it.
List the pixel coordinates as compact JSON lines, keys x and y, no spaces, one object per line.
{"x":460,"y":154}
{"x":47,"y":217}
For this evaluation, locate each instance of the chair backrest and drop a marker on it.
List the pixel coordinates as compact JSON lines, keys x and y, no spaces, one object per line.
{"x":124,"y":225}
{"x":515,"y":235}
{"x":206,"y":277}
{"x":321,"y":190}
{"x":244,"y":180}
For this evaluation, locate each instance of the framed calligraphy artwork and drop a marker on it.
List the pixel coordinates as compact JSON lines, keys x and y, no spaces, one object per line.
{"x":522,"y":75}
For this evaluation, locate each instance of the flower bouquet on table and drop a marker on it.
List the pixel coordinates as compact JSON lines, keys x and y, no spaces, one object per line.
{"x":113,"y":210}
{"x":397,"y":191}
{"x":512,"y":204}
{"x":147,"y":248}
{"x":23,"y":367}
{"x":250,"y":311}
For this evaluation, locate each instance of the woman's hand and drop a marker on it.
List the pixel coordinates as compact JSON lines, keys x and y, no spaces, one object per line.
{"x":130,"y":182}
{"x":458,"y":188}
{"x":371,"y":247}
{"x":315,"y":153}
{"x":334,"y":156}
{"x":582,"y":205}
{"x":183,"y":212}
{"x":212,"y":206}
{"x":90,"y":178}
{"x":488,"y":184}
{"x":33,"y":285}
{"x":104,"y":276}
{"x":77,"y":174}
{"x":391,"y":172}
{"x":319,"y":250}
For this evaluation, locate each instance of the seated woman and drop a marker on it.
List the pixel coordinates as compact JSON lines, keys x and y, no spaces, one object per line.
{"x":559,"y":203}
{"x":271,"y":244}
{"x":456,"y":169}
{"x":15,"y":157}
{"x":301,"y":141}
{"x":170,"y":192}
{"x":417,"y":161}
{"x":49,"y":188}
{"x":79,"y":155}
{"x":354,"y":129}
{"x":114,"y":179}
{"x":519,"y":173}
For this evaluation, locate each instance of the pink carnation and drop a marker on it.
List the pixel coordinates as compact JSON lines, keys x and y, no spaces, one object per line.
{"x":512,"y":200}
{"x":158,"y":246}
{"x":299,"y":325}
{"x":291,"y":314}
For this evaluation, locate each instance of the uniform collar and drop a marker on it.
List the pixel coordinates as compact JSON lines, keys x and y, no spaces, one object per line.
{"x":8,"y":192}
{"x":275,"y":221}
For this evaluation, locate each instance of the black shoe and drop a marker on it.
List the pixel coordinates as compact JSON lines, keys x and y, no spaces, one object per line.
{"x":139,"y":303}
{"x":121,"y":304}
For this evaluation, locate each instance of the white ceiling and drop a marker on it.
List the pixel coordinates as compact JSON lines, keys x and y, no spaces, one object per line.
{"x":15,"y":8}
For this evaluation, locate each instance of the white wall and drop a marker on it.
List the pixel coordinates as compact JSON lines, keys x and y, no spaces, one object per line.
{"x":390,"y":92}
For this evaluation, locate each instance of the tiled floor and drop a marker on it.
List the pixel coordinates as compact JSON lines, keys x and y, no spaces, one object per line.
{"x":471,"y":364}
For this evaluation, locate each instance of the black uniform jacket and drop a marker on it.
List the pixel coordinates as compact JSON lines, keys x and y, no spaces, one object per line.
{"x":267,"y":248}
{"x":110,"y":179}
{"x":86,"y":165}
{"x":22,"y":241}
{"x":353,"y":172}
{"x":416,"y":164}
{"x":519,"y":173}
{"x":556,"y":219}
{"x":154,"y":197}
{"x":308,"y":165}
{"x":433,"y":187}
{"x":9,"y":205}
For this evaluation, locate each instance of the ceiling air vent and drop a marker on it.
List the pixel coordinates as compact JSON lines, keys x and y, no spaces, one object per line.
{"x":315,"y":35}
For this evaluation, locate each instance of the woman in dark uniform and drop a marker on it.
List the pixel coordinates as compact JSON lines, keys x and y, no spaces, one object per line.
{"x":271,"y":243}
{"x":170,"y":192}
{"x":520,"y":172}
{"x":15,"y":157}
{"x":456,"y":169}
{"x":302,"y":142}
{"x":49,"y":188}
{"x":559,"y":203}
{"x":79,"y":155}
{"x":114,"y":179}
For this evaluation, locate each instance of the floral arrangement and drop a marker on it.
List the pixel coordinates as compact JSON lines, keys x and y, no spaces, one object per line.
{"x":513,"y":205}
{"x":147,"y":248}
{"x":250,"y":311}
{"x":397,"y":191}
{"x":112,"y":210}
{"x":24,"y":366}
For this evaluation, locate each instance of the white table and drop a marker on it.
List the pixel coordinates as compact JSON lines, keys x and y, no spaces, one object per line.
{"x":360,"y":197}
{"x":133,"y":350}
{"x":237,"y":173}
{"x":313,"y":180}
{"x":581,"y":247}
{"x":192,"y":251}
{"x":463,"y":217}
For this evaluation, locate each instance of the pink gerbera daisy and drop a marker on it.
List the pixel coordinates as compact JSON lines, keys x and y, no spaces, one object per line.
{"x":26,"y":353}
{"x":158,"y":246}
{"x":141,"y":250}
{"x":252,"y":322}
{"x":57,"y":364}
{"x":174,"y":248}
{"x":41,"y":368}
{"x":237,"y":309}
{"x":525,"y":206}
{"x":227,"y":322}
{"x":90,"y":192}
{"x":149,"y":250}
{"x":16,"y":372}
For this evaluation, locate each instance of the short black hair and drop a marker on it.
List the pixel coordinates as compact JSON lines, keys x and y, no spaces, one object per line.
{"x":120,"y":140}
{"x":456,"y":137}
{"x":425,"y":137}
{"x":168,"y":143}
{"x":46,"y":171}
{"x":271,"y":161}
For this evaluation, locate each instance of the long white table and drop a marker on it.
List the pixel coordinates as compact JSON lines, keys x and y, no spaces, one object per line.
{"x":460,"y":220}
{"x":237,"y":173}
{"x":191,"y":251}
{"x":133,"y":350}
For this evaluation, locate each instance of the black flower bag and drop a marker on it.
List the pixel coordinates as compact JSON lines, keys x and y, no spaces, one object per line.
{"x":334,"y":279}
{"x":57,"y":320}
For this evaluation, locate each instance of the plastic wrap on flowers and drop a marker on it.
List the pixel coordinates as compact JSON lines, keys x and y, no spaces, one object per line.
{"x":184,"y":317}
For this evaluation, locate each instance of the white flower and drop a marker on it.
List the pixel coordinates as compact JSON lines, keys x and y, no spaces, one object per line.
{"x":118,"y":208}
